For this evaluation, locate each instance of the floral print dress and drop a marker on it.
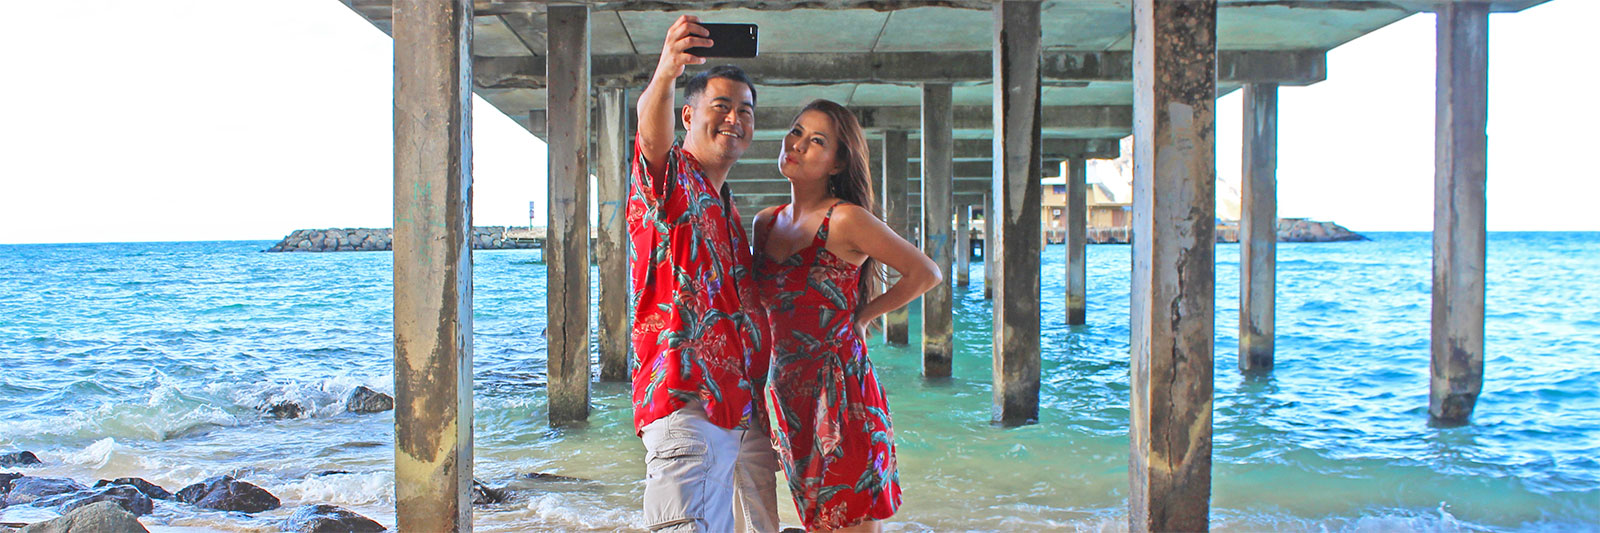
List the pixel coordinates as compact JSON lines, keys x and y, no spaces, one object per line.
{"x":832,"y":428}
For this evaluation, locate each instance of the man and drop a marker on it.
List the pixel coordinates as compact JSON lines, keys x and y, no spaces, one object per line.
{"x":699,"y":326}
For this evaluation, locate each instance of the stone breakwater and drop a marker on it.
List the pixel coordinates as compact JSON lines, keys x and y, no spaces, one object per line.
{"x":382,"y":239}
{"x":1289,"y":230}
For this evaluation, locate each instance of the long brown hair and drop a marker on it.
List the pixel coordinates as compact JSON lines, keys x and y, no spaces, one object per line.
{"x":854,"y":183}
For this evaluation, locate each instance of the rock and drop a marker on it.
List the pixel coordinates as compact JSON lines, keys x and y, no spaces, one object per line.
{"x":98,"y":517}
{"x":22,"y":458}
{"x":224,"y":493}
{"x":5,"y":483}
{"x":27,"y":489}
{"x":149,"y":489}
{"x":485,"y":495}
{"x":283,"y":410}
{"x":365,"y":400}
{"x":329,"y":519}
{"x":330,"y":473}
{"x":129,"y":497}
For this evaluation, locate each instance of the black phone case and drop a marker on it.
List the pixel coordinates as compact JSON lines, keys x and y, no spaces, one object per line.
{"x":729,"y":40}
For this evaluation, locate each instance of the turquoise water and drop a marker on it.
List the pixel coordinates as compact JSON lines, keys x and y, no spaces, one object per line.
{"x":151,"y":359}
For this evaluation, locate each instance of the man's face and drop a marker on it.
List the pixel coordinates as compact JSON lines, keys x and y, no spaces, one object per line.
{"x":720,"y":121}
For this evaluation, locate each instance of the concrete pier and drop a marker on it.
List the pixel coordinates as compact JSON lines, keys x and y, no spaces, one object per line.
{"x":938,"y":322}
{"x":1459,"y":211}
{"x":1258,"y":231}
{"x":1173,"y":264}
{"x":567,"y":247}
{"x":432,"y":265}
{"x":1017,"y":193}
{"x":988,"y":245}
{"x":610,"y":247}
{"x":963,"y":248}
{"x":896,"y":213}
{"x":1077,"y":214}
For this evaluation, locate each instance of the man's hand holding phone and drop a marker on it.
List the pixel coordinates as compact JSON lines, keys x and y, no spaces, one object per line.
{"x":685,"y":33}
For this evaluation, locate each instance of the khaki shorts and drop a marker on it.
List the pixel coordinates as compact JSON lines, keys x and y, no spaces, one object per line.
{"x":689,"y":462}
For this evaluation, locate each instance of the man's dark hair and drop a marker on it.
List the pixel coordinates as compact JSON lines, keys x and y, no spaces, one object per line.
{"x":697,"y":84}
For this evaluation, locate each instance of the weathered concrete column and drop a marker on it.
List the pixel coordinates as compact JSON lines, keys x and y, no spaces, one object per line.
{"x":1258,"y":229}
{"x":938,"y":179}
{"x":1460,"y":159}
{"x":896,"y":213}
{"x":567,"y":239}
{"x":1077,"y":239}
{"x":611,"y":252}
{"x":963,"y":245}
{"x":988,"y":245}
{"x":1017,"y":194}
{"x":433,"y":265}
{"x":1174,"y":205}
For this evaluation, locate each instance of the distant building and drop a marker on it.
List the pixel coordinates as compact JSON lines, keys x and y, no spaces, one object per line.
{"x":1110,"y":206}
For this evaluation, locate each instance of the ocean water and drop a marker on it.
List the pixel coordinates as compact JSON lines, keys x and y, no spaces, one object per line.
{"x":152,"y":359}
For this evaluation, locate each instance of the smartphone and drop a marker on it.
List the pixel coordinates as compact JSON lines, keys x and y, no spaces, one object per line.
{"x":728,"y":40}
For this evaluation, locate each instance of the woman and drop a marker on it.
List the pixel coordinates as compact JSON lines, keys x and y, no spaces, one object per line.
{"x":814,"y":259}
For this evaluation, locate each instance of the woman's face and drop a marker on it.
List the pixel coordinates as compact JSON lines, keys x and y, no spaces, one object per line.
{"x":810,"y":149}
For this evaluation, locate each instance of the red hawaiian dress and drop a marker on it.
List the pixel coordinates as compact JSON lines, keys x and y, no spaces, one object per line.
{"x":698,"y":324}
{"x":833,"y":432}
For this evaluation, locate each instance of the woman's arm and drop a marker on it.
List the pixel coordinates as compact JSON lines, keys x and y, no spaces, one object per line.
{"x":864,"y":234}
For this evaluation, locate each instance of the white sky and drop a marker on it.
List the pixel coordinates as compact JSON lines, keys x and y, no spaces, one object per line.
{"x":151,"y":120}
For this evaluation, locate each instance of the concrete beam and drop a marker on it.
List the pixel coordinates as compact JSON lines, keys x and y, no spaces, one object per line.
{"x":1077,"y":214}
{"x":1094,"y":121}
{"x":1258,"y":228}
{"x":1174,"y":274}
{"x":433,"y":265}
{"x":768,"y":170}
{"x":1018,"y":116}
{"x":1459,"y":213}
{"x":897,"y":214}
{"x":751,"y":186}
{"x":1060,"y":68}
{"x":1054,"y":149}
{"x":566,"y":248}
{"x":938,"y":321}
{"x":611,"y":252}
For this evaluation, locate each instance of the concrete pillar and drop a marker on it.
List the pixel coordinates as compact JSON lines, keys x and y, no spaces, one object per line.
{"x":567,"y":241}
{"x":1459,"y":232}
{"x":433,"y":265}
{"x":1017,"y":196}
{"x":1077,"y":216}
{"x":1174,"y":207}
{"x":963,"y":245}
{"x":988,"y":245}
{"x":896,"y":212}
{"x":1258,"y":229}
{"x":611,"y":252}
{"x":938,"y":179}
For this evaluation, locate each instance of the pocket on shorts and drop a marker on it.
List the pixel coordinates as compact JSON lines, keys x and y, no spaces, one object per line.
{"x":675,"y":474}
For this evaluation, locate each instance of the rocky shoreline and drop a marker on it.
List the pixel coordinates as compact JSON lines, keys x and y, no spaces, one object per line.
{"x":382,"y":239}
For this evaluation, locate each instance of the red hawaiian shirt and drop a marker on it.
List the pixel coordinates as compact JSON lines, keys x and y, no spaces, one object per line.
{"x":698,"y":323}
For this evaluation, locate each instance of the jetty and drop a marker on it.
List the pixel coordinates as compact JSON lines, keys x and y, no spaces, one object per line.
{"x":967,"y":103}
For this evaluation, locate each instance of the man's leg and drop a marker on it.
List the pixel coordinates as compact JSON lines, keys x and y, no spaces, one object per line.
{"x":689,"y":473}
{"x":756,"y":475}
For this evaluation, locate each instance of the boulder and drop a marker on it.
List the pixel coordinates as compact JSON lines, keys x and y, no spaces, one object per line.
{"x":282,"y":410}
{"x":98,"y":517}
{"x":27,"y":489}
{"x":365,"y":400}
{"x":149,"y":489}
{"x":224,"y":493}
{"x":5,"y":483}
{"x":127,"y":496}
{"x":22,"y":458}
{"x":329,"y":519}
{"x":485,"y":495}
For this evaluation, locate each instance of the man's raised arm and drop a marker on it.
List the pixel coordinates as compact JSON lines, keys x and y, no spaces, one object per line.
{"x":655,"y":103}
